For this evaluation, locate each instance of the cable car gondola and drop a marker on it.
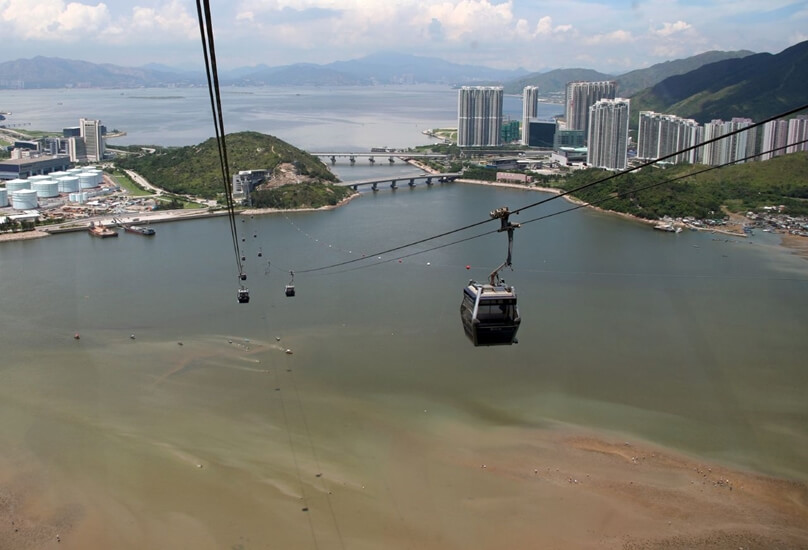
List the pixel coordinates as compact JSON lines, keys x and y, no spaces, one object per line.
{"x":489,"y":311}
{"x":243,"y":296}
{"x":490,"y":314}
{"x":290,"y":288}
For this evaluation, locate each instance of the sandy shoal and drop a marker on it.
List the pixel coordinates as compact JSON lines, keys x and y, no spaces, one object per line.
{"x":482,"y":488}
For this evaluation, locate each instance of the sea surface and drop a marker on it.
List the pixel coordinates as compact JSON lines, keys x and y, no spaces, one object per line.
{"x":312,"y":118}
{"x":692,"y":341}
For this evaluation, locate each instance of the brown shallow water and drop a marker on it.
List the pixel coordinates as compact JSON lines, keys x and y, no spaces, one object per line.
{"x":656,"y":399}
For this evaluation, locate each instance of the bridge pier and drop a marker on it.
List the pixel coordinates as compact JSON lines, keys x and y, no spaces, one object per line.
{"x":333,"y":159}
{"x":412,"y":182}
{"x":375,"y":188}
{"x":352,"y":159}
{"x":355,"y":187}
{"x":429,"y":181}
{"x":371,"y":160}
{"x":391,"y":160}
{"x":393,"y":185}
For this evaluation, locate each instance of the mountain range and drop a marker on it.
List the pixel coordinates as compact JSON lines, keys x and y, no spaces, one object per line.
{"x":757,"y":86}
{"x":706,"y":86}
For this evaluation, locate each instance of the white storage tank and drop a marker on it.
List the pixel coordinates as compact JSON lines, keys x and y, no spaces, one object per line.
{"x":80,"y":198}
{"x":74,"y":170}
{"x":99,"y":176}
{"x":17,"y":185}
{"x":57,"y":175}
{"x":68,"y":184}
{"x":46,"y":189}
{"x":38,"y":177}
{"x":87,"y":180}
{"x":24,"y":199}
{"x":3,"y":197}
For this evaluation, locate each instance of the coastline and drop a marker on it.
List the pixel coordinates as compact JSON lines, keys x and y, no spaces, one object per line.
{"x":160,"y":216}
{"x":799,"y":245}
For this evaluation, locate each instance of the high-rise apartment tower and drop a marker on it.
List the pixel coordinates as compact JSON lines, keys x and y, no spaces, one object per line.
{"x":530,"y":109}
{"x":581,"y":96}
{"x":608,"y":134}
{"x":479,"y":116}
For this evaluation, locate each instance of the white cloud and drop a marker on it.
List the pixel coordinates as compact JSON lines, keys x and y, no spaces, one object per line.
{"x":673,"y":28}
{"x":58,"y":21}
{"x":52,"y":19}
{"x":169,"y":18}
{"x":614,"y":37}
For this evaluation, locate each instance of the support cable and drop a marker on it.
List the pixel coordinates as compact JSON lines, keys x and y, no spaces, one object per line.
{"x":571,"y":209}
{"x":565,"y":193}
{"x":209,"y":51}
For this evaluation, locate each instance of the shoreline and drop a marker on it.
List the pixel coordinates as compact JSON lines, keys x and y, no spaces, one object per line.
{"x":147,"y":218}
{"x":796,"y":244}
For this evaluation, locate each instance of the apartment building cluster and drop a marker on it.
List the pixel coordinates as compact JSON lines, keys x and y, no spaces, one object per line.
{"x":595,"y":130}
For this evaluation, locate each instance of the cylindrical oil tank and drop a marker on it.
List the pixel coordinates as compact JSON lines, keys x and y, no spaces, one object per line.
{"x":17,"y":185}
{"x":24,"y":199}
{"x":3,"y":197}
{"x":57,"y":175}
{"x":99,"y":176}
{"x":87,"y":180}
{"x":80,"y":198}
{"x":38,"y":177}
{"x":68,"y":184}
{"x":46,"y":189}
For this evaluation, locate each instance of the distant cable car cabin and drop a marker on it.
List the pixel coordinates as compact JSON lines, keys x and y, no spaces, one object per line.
{"x":290,"y":288}
{"x":489,"y":312}
{"x":243,"y":296}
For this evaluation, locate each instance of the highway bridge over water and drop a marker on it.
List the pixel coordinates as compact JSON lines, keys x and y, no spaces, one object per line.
{"x":429,"y":179}
{"x":371,"y":156}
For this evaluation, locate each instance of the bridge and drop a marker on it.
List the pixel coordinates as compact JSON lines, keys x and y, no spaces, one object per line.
{"x":371,"y":156}
{"x":429,"y":179}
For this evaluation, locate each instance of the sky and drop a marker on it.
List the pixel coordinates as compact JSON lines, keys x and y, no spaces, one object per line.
{"x":607,"y":35}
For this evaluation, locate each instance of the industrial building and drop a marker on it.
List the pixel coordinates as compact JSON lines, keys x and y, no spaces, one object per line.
{"x":26,"y":167}
{"x":541,"y":133}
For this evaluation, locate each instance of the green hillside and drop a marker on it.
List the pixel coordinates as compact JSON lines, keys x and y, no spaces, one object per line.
{"x":758,"y":86}
{"x":739,"y":188}
{"x":195,"y":169}
{"x":632,"y":82}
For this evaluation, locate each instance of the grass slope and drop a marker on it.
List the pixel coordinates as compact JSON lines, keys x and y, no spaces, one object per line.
{"x":195,"y":170}
{"x":740,"y":188}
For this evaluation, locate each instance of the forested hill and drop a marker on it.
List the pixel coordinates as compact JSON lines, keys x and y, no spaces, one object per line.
{"x":196,"y":170}
{"x":757,"y":86}
{"x":739,"y":188}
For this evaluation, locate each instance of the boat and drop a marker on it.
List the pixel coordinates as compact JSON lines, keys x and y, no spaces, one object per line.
{"x":665,"y":227}
{"x":139,"y":229}
{"x":98,"y":230}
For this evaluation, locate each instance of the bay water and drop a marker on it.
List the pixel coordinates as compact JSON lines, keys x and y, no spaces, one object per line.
{"x":694,"y":341}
